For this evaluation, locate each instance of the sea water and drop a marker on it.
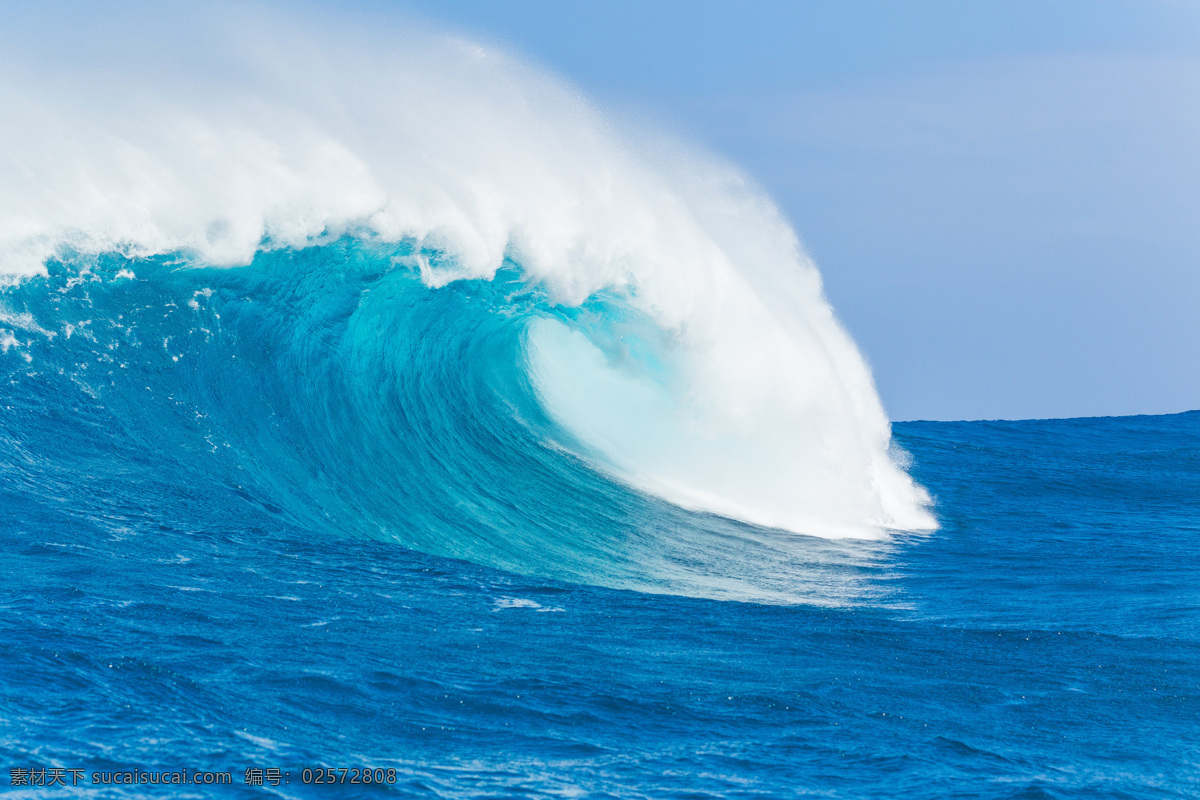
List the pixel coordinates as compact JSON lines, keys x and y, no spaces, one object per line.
{"x":378,"y":418}
{"x":221,"y":553}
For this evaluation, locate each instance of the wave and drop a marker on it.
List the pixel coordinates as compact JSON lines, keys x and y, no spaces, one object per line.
{"x":413,"y":281}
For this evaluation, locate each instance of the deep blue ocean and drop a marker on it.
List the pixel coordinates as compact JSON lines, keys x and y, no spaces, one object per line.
{"x":307,"y":514}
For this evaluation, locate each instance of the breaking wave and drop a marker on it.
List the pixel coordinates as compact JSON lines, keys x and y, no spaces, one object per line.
{"x":399,"y":283}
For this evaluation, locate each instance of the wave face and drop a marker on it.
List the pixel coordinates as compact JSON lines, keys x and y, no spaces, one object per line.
{"x":406,"y":286}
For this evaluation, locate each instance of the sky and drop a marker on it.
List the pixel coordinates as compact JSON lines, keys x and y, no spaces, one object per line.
{"x":1003,"y":197}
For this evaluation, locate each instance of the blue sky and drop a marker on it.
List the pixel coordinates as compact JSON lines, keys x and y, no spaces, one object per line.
{"x":1004,"y":198}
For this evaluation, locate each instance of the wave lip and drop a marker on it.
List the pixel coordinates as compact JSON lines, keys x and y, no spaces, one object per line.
{"x":684,"y":346}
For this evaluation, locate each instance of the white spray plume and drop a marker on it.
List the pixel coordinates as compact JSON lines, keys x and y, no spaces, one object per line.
{"x":258,"y":127}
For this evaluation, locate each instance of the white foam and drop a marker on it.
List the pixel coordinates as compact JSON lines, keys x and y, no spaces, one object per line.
{"x":259,"y":126}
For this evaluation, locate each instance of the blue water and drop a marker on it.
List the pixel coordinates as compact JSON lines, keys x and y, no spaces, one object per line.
{"x":308,"y":513}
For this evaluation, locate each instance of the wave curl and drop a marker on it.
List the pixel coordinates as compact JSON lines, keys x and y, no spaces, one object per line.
{"x":442,"y":225}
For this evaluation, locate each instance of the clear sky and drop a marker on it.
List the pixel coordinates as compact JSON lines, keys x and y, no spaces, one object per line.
{"x":1003,"y":197}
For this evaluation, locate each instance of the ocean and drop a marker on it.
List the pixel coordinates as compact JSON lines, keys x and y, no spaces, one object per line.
{"x":220,"y":555}
{"x":380,"y":418}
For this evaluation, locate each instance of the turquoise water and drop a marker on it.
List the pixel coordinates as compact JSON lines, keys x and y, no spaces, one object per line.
{"x":309,"y":513}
